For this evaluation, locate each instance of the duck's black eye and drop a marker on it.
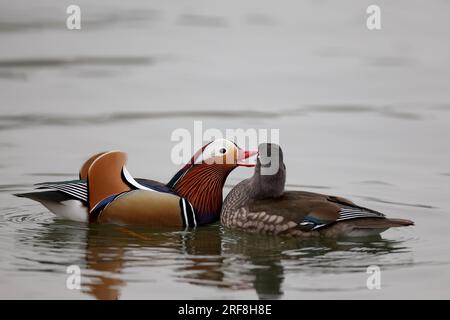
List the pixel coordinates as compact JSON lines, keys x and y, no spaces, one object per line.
{"x":222,"y":150}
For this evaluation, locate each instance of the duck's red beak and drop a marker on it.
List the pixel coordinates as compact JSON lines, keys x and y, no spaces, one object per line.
{"x":246,"y":158}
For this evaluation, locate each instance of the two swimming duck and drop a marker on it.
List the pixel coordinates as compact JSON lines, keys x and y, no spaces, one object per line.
{"x":106,"y":193}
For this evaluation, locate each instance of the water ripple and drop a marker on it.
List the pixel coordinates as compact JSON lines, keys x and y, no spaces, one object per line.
{"x":8,"y":121}
{"x":104,"y":19}
{"x":75,"y":61}
{"x":12,"y":187}
{"x":376,"y":182}
{"x":22,"y":217}
{"x":198,"y":20}
{"x":41,"y":119}
{"x":416,"y":205}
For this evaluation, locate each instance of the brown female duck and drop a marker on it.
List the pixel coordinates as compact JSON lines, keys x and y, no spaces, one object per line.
{"x":261,"y":205}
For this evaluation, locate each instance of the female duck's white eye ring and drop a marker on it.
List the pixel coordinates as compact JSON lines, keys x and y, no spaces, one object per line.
{"x":222,"y":150}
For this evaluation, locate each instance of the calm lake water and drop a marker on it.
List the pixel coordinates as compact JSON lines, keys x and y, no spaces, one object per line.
{"x":362,"y":114}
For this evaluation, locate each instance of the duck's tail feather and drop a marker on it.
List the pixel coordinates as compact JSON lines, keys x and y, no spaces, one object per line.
{"x":381,"y":223}
{"x":363,"y":227}
{"x":44,"y":196}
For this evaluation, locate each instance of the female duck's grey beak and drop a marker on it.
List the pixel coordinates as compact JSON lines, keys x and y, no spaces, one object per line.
{"x":246,"y":158}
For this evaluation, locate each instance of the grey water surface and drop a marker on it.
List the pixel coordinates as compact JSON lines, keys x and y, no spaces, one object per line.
{"x":362,"y":114}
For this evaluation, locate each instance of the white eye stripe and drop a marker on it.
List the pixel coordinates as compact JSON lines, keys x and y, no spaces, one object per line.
{"x":219,"y":147}
{"x":215,"y":147}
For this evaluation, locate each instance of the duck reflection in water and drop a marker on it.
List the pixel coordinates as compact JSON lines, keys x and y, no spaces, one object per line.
{"x":209,"y":256}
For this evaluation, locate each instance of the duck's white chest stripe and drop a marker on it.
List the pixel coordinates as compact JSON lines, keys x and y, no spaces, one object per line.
{"x":193,"y":213}
{"x":128,"y":178}
{"x":187,"y":213}
{"x":183,"y":212}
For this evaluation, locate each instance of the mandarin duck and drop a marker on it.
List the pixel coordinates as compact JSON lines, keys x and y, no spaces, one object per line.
{"x":261,"y":205}
{"x":107,"y":193}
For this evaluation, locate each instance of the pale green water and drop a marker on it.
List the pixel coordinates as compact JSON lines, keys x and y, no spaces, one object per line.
{"x":361,"y":114}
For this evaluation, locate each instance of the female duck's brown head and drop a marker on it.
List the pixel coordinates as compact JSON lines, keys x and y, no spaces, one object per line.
{"x":201,"y":180}
{"x":270,"y":172}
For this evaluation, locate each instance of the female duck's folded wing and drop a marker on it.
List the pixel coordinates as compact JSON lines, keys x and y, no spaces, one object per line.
{"x":303,"y":212}
{"x":312,"y":211}
{"x":347,"y":210}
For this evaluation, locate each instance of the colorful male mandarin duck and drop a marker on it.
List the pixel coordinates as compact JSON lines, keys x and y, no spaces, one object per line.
{"x":260,"y":205}
{"x":107,"y":193}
